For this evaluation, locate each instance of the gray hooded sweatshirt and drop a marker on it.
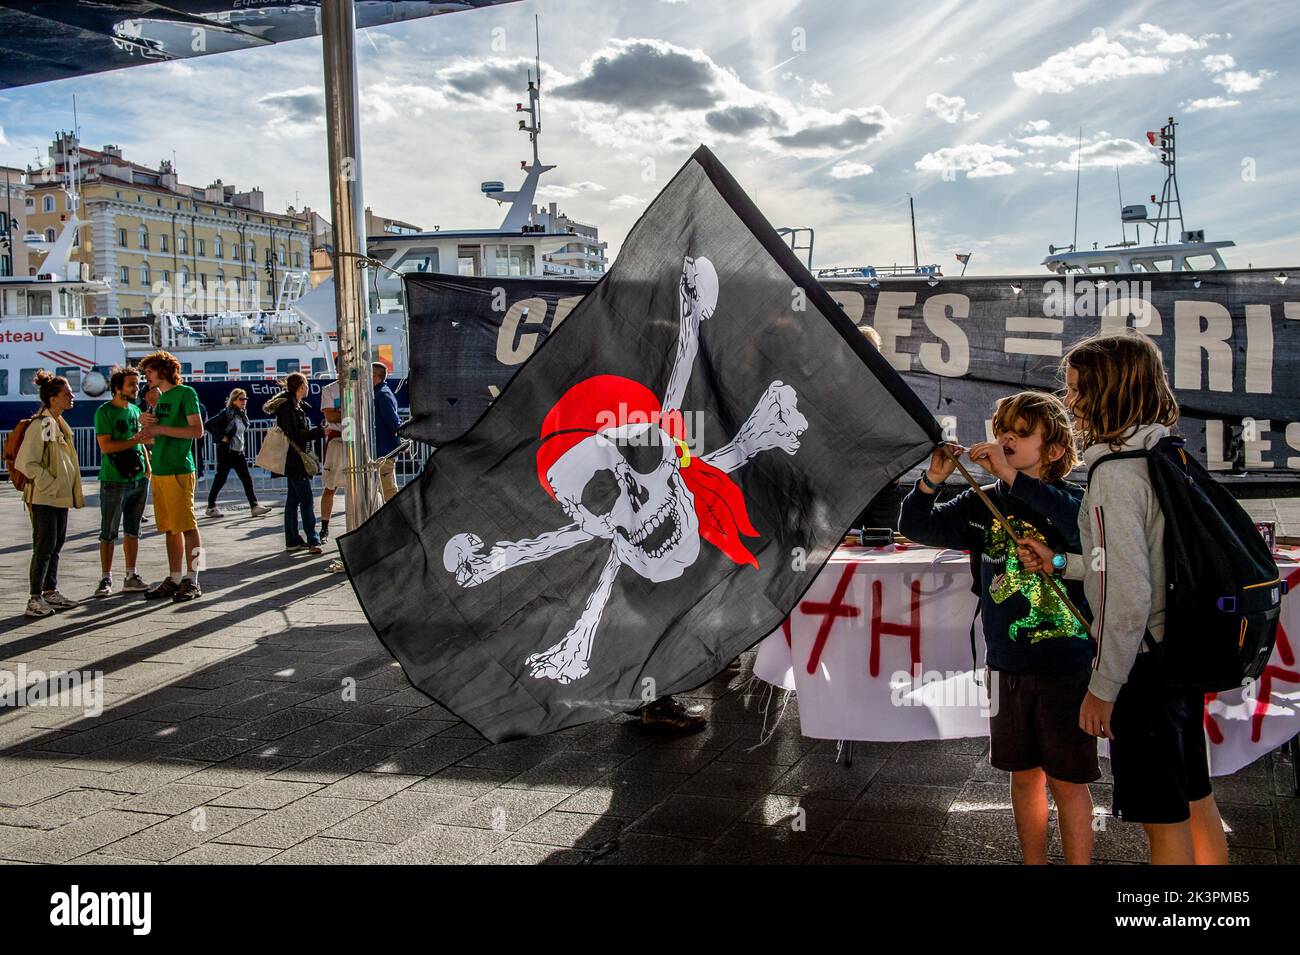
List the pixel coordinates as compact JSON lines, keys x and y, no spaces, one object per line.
{"x":1122,"y":565}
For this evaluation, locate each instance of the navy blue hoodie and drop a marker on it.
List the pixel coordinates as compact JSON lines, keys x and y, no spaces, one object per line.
{"x":1027,"y":628}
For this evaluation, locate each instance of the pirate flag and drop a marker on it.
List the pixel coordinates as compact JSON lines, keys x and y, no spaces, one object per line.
{"x":655,"y":488}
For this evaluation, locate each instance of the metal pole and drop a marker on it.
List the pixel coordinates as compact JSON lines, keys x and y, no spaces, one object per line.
{"x":338,"y":36}
{"x":916,"y":259}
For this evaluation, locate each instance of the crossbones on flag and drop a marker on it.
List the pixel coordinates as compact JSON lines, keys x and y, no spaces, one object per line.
{"x":653,"y":491}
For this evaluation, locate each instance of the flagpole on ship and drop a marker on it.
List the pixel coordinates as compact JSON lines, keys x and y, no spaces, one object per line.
{"x":339,"y":52}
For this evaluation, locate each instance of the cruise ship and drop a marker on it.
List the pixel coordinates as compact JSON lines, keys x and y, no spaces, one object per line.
{"x":48,"y":320}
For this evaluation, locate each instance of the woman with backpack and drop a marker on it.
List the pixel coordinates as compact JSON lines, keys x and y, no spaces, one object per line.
{"x":290,"y":410}
{"x":1119,"y":396}
{"x":229,"y":430}
{"x":47,"y":458}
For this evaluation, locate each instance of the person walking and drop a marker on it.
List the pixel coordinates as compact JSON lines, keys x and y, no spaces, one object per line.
{"x":290,"y":412}
{"x":334,"y":473}
{"x":229,"y":429}
{"x":48,"y":459}
{"x":386,"y":425}
{"x":123,"y":479}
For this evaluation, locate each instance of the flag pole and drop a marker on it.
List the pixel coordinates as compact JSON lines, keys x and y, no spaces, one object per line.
{"x":1006,"y":525}
{"x":342,"y":125}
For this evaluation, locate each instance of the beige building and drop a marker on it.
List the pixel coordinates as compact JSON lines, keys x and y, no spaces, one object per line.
{"x":14,"y":202}
{"x":161,"y":244}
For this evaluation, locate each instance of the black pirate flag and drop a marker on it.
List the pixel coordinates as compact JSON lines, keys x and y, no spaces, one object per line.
{"x":652,"y":492}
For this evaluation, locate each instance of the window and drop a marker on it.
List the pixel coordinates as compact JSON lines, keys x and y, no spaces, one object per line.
{"x":159,"y":203}
{"x":73,"y":375}
{"x":215,"y":368}
{"x":270,"y":289}
{"x":67,"y":203}
{"x":167,"y":276}
{"x":31,"y":204}
{"x":285,"y":366}
{"x":318,"y":366}
{"x":162,"y":243}
{"x":187,"y":369}
{"x":4,"y":381}
{"x":216,"y":248}
{"x":6,"y":265}
{"x":25,"y":384}
{"x":49,"y":235}
{"x":76,"y":238}
{"x":221,"y":278}
{"x":40,"y":303}
{"x":126,"y":313}
{"x":279,"y":257}
{"x":252,"y":366}
{"x":198,"y":247}
{"x":124,"y":276}
{"x":47,"y":204}
{"x":182,"y":243}
{"x":252,"y":252}
{"x":121,"y":238}
{"x":144,"y":238}
{"x":144,"y":276}
{"x":297,"y":260}
{"x":183,"y":277}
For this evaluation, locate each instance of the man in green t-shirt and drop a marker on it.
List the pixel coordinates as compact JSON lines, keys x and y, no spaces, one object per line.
{"x":123,"y":470}
{"x":173,"y":426}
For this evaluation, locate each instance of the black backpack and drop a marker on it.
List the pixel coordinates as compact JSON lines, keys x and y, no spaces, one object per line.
{"x":1223,"y":600}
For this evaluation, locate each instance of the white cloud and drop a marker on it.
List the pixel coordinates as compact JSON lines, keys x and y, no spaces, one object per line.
{"x":1109,"y":153}
{"x":1218,"y":62}
{"x":627,"y":201}
{"x":969,"y":158}
{"x":651,"y":95}
{"x":1165,"y":42}
{"x":569,"y":191}
{"x":1050,"y":141}
{"x":988,"y":170}
{"x":3,"y":141}
{"x":850,"y":170}
{"x":950,"y":109}
{"x":1094,"y":61}
{"x":943,"y":60}
{"x":813,"y":88}
{"x":1212,"y":102}
{"x":1242,"y":81}
{"x":1035,"y":126}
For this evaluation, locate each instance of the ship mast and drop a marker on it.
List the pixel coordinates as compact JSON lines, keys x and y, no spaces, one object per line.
{"x":1170,"y":206}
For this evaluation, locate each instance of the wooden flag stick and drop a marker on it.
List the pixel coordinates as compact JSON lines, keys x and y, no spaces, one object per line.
{"x":1006,"y":525}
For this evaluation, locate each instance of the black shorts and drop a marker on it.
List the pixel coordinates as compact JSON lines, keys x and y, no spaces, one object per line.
{"x":1035,"y":723}
{"x":1158,"y":755}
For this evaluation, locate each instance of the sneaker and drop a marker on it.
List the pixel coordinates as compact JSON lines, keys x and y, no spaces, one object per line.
{"x":315,"y":549}
{"x":58,"y":601}
{"x":324,"y":536}
{"x":187,"y":590}
{"x":134,"y":584}
{"x":257,"y":510}
{"x":37,"y":607}
{"x":215,"y":512}
{"x":105,"y":588}
{"x":674,"y":717}
{"x":163,"y":589}
{"x":296,"y":545}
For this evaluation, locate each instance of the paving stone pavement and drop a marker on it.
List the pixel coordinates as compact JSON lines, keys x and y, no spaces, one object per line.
{"x":264,"y":723}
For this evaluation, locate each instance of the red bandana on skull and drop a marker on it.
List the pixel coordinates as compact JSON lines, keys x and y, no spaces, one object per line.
{"x":595,"y":405}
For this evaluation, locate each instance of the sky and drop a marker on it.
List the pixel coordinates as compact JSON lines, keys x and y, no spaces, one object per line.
{"x":828,"y":113}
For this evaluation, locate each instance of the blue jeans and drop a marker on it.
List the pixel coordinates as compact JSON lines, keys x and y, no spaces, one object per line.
{"x":300,"y":497}
{"x":121,"y":504}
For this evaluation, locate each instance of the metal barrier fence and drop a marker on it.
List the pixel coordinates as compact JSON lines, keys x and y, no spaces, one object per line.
{"x":409,"y":465}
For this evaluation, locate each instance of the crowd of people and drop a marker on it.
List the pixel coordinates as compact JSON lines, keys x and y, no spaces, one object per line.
{"x":1057,"y":683}
{"x":147,"y":445}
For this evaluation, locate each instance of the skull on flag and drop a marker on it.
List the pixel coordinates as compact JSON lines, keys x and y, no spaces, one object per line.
{"x":616,"y":460}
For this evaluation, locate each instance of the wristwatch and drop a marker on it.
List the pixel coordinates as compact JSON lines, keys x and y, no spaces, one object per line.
{"x":1058,"y":560}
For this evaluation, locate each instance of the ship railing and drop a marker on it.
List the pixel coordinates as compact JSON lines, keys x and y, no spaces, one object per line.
{"x":409,"y":463}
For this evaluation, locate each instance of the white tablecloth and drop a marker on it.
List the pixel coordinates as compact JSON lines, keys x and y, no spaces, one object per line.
{"x":879,"y":649}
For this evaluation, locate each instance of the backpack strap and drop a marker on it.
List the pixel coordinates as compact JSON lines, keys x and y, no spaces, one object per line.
{"x":1114,"y":456}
